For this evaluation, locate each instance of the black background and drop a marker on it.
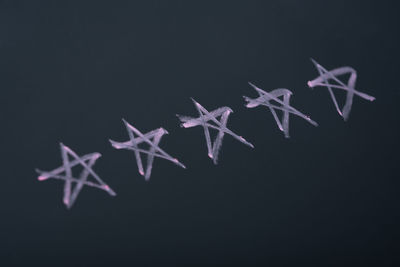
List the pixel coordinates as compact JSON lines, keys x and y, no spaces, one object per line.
{"x":70,"y":71}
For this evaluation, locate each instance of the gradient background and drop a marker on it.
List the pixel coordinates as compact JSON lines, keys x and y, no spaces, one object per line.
{"x":70,"y":71}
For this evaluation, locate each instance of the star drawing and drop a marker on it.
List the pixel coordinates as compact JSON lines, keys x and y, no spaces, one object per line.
{"x":152,"y":139}
{"x":330,"y":80}
{"x":205,"y":119}
{"x":265,"y":99}
{"x":65,"y":173}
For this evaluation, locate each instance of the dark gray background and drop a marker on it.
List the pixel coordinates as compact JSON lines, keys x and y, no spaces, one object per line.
{"x":70,"y":71}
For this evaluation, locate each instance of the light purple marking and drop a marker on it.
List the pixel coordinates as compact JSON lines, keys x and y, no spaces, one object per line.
{"x":154,"y":151}
{"x":86,"y":161}
{"x":265,"y":99}
{"x":202,"y":120}
{"x":323,"y":80}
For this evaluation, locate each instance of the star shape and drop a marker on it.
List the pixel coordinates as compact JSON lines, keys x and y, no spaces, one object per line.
{"x":65,"y":173}
{"x":151,"y":138}
{"x":219,"y":125}
{"x":326,"y":76}
{"x":265,"y":99}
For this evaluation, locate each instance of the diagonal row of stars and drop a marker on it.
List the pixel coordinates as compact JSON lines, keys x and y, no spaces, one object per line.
{"x":206,"y":119}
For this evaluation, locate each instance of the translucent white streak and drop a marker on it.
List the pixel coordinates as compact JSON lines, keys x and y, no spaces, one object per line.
{"x":154,"y":151}
{"x":86,"y":161}
{"x":326,"y":76}
{"x":265,"y":99}
{"x":220,"y":126}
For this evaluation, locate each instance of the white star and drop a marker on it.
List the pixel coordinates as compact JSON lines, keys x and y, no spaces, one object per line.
{"x":265,"y":99}
{"x":205,"y":116}
{"x":154,"y":151}
{"x":323,"y":80}
{"x":86,"y":161}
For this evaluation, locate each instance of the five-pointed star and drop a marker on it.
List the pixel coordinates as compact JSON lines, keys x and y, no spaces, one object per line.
{"x":202,"y":120}
{"x":265,"y":99}
{"x":326,"y":76}
{"x":154,"y":151}
{"x":86,"y":161}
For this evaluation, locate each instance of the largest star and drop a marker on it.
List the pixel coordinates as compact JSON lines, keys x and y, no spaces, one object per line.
{"x":65,"y":173}
{"x":219,"y":125}
{"x":330,"y":79}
